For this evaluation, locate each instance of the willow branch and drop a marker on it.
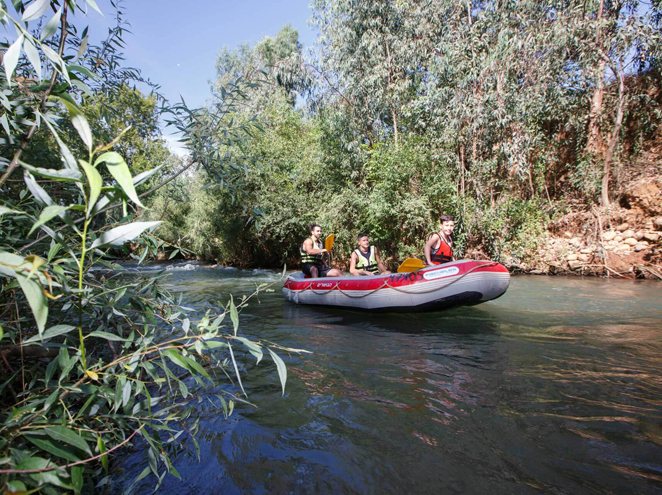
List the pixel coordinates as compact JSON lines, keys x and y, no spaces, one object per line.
{"x":26,"y":139}
{"x":77,"y":463}
{"x":111,"y":207}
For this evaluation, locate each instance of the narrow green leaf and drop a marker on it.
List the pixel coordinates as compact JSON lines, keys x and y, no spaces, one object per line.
{"x":48,"y":445}
{"x":194,"y":366}
{"x":48,"y":214}
{"x":35,"y":10}
{"x":94,"y":5}
{"x":52,"y":25}
{"x":36,"y":300}
{"x":120,"y":171}
{"x":101,"y":447}
{"x":65,"y":174}
{"x":95,"y":181}
{"x":65,"y":152}
{"x":143,"y":176}
{"x":68,"y":436}
{"x":236,"y":369}
{"x":37,"y":191}
{"x":81,"y":70}
{"x":106,"y":335}
{"x":51,"y":332}
{"x":126,"y":393}
{"x":234,"y":316}
{"x":282,"y":369}
{"x":77,"y":479}
{"x":175,"y":357}
{"x":34,"y":462}
{"x":183,"y":389}
{"x":9,"y":263}
{"x":253,"y":348}
{"x":5,"y":125}
{"x":120,"y":235}
{"x":5,"y":211}
{"x":80,"y":123}
{"x":33,"y":56}
{"x":10,"y":59}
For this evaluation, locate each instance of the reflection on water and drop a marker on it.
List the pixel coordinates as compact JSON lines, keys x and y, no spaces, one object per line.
{"x":555,"y":387}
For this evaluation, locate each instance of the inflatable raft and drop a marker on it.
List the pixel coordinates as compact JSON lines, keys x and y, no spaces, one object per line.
{"x":463,"y":282}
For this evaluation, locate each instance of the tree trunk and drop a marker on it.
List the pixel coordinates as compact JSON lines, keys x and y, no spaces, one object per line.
{"x":614,"y":138}
{"x":594,"y":144}
{"x":394,"y":114}
{"x":462,"y":169}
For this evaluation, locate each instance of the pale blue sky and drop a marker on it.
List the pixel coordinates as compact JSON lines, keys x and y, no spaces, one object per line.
{"x":175,"y":43}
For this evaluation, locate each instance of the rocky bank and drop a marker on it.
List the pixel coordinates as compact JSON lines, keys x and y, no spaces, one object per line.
{"x":624,"y":240}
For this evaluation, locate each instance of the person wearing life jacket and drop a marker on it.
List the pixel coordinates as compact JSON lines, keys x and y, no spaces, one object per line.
{"x":365,"y":259}
{"x":311,"y":252}
{"x":439,"y":246}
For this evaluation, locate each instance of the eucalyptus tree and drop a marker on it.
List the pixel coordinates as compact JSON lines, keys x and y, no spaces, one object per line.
{"x":373,"y":57}
{"x":623,"y":40}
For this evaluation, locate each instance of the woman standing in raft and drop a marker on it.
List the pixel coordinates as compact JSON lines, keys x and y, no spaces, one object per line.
{"x":439,"y":247}
{"x":311,"y":252}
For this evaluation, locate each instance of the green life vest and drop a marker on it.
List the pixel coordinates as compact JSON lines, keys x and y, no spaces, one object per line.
{"x":311,"y":258}
{"x":368,"y":263}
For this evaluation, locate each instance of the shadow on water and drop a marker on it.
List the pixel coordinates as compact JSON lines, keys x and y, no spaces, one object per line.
{"x":553,"y":388}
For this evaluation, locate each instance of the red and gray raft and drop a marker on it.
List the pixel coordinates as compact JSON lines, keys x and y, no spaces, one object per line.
{"x":463,"y":282}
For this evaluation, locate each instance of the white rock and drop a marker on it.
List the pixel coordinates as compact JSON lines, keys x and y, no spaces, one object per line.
{"x":651,"y":236}
{"x":640,"y":246}
{"x":628,"y":233}
{"x":618,"y":238}
{"x":571,"y":257}
{"x":622,"y":227}
{"x":639,"y":235}
{"x":630,"y":241}
{"x":583,"y":257}
{"x":574,"y":264}
{"x":587,"y":250}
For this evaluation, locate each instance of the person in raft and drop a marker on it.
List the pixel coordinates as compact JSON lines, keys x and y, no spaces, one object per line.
{"x":311,"y":252}
{"x":365,"y":259}
{"x":439,"y":246}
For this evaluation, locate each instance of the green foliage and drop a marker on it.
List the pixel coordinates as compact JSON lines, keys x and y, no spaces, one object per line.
{"x":92,"y":358}
{"x":414,"y":109}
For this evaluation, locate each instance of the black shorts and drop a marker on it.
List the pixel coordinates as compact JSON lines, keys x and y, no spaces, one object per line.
{"x":322,"y":270}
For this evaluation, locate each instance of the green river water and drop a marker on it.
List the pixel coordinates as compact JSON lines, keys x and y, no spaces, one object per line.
{"x":554,"y":388}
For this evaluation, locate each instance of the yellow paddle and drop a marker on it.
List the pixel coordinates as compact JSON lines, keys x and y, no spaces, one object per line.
{"x":329,"y":241}
{"x":410,"y":265}
{"x":328,"y":245}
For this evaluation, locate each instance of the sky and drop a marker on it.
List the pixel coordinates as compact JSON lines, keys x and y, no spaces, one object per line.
{"x":176,"y":43}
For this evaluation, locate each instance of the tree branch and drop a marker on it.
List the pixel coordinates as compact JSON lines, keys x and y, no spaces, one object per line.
{"x":13,"y":165}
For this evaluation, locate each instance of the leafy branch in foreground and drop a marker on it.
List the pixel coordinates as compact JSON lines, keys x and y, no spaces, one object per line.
{"x":91,"y":358}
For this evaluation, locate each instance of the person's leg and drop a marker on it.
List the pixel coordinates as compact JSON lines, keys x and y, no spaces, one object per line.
{"x":334,"y":272}
{"x":314,"y":273}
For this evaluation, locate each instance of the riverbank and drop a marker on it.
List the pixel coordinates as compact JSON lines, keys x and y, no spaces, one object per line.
{"x":624,"y":240}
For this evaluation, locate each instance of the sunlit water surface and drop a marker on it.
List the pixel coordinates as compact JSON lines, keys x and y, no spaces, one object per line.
{"x":554,"y":388}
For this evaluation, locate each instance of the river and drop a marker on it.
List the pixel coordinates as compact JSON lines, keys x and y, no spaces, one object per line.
{"x":556,"y":387}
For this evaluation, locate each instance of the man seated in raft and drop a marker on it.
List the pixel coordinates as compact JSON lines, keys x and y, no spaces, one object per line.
{"x":311,"y":252}
{"x":439,"y":246}
{"x":365,"y":259}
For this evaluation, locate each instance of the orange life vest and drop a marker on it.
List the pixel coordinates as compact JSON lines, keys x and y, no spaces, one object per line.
{"x":443,"y":253}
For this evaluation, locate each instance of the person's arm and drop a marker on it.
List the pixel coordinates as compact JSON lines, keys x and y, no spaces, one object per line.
{"x":428,"y":248}
{"x":308,"y":247}
{"x":380,"y":265}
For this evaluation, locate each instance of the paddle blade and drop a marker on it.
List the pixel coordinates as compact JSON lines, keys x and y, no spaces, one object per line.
{"x":410,"y":265}
{"x":329,"y":241}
